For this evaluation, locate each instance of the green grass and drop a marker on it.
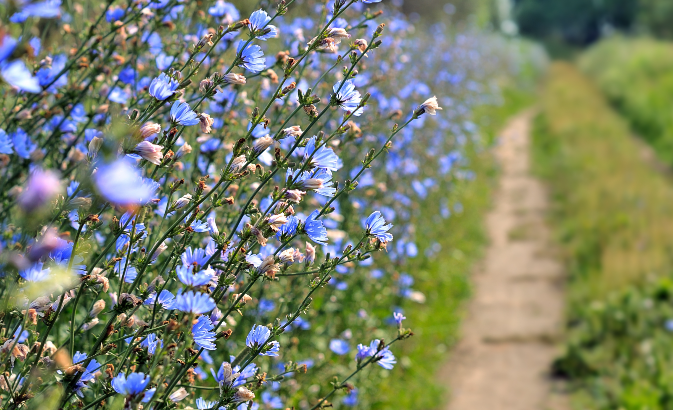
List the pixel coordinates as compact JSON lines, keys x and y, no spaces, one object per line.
{"x":444,"y":279}
{"x":611,"y":215}
{"x":636,"y":75}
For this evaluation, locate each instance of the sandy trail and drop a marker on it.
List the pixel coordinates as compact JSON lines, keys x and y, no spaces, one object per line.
{"x":515,"y":317}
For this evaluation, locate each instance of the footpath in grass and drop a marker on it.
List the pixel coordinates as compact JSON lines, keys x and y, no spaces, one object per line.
{"x":612,"y":217}
{"x":444,"y":278}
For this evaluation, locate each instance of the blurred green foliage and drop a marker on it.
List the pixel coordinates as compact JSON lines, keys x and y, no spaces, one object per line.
{"x":581,"y":22}
{"x":637,"y":77}
{"x":612,"y":217}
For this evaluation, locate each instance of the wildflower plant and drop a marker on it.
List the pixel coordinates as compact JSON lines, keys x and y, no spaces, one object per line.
{"x":183,"y":205}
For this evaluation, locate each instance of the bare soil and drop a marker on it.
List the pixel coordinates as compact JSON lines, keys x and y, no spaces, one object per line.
{"x":514,"y":321}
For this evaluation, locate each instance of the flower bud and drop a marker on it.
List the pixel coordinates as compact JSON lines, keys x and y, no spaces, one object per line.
{"x":276,"y":221}
{"x":243,"y":395}
{"x":97,"y":308}
{"x":212,"y":227}
{"x":148,"y":129}
{"x":261,"y":144}
{"x":95,"y":145}
{"x":287,"y":256}
{"x":430,"y":106}
{"x":184,"y":150}
{"x":233,"y":78}
{"x":237,"y":163}
{"x":150,"y":152}
{"x":183,"y":201}
{"x":206,"y":123}
{"x":310,"y":254}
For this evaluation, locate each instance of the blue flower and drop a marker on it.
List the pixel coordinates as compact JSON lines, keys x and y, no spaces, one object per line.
{"x":35,"y":273}
{"x":194,"y":302}
{"x":271,"y":400}
{"x":376,"y":226}
{"x":7,"y":46}
{"x":126,"y":270}
{"x":132,"y":385}
{"x":319,"y":180}
{"x":315,"y":229}
{"x":122,"y":184}
{"x":165,"y":299}
{"x":322,"y":157}
{"x":44,"y":9}
{"x":187,"y":276}
{"x":203,"y":334}
{"x":351,"y":398}
{"x":88,"y":374}
{"x":151,"y":342}
{"x":114,"y":14}
{"x":182,"y":114}
{"x":339,"y":346}
{"x":259,"y":23}
{"x":204,"y":405}
{"x":252,"y":57}
{"x":196,"y":257}
{"x":371,"y":1}
{"x":163,"y":87}
{"x":5,"y":143}
{"x":222,"y":9}
{"x":399,"y":317}
{"x":23,"y":145}
{"x":21,"y":334}
{"x":258,"y":337}
{"x":17,"y":75}
{"x":347,"y":97}
{"x":164,"y":61}
{"x":386,"y":359}
{"x":289,"y":228}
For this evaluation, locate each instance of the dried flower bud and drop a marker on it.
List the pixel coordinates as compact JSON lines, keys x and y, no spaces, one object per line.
{"x":261,"y":144}
{"x":97,"y":308}
{"x":206,"y":123}
{"x":233,"y":78}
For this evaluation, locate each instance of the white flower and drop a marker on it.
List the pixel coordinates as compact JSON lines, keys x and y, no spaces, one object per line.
{"x":430,"y":106}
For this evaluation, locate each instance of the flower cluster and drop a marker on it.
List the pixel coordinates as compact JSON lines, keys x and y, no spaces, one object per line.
{"x":189,"y":185}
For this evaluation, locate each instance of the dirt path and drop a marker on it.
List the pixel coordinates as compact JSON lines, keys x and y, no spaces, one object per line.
{"x":515,"y":316}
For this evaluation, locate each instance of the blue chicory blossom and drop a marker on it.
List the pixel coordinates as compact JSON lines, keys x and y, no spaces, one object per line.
{"x":132,"y":385}
{"x":259,"y":25}
{"x":182,"y":114}
{"x":339,"y":346}
{"x":321,"y":157}
{"x":203,"y":333}
{"x":315,"y":229}
{"x":187,"y":275}
{"x":122,"y":184}
{"x":17,"y":75}
{"x":35,"y":273}
{"x":258,"y":337}
{"x":348,"y":98}
{"x":251,"y":57}
{"x":163,"y":87}
{"x":194,"y":302}
{"x":376,"y":226}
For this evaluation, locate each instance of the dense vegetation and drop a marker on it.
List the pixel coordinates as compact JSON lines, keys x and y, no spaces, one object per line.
{"x":612,"y":217}
{"x":581,"y":22}
{"x":205,"y":208}
{"x":636,"y":75}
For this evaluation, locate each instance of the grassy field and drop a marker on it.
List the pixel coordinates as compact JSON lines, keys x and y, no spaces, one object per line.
{"x":637,"y":77}
{"x":612,"y":217}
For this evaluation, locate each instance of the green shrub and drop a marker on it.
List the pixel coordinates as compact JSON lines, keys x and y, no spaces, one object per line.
{"x":637,"y":77}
